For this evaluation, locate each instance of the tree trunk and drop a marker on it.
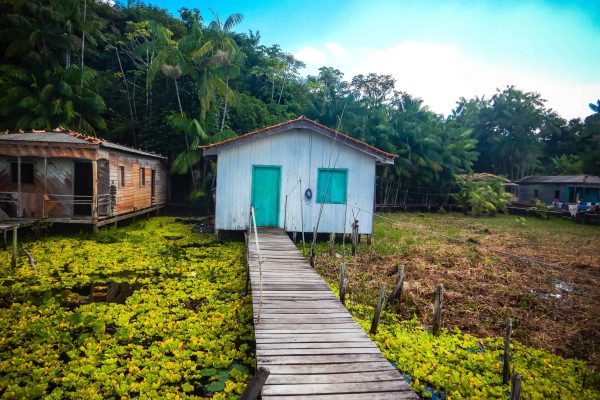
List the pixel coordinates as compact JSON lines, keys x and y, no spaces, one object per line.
{"x":133,"y":122}
{"x":281,"y":91}
{"x":82,"y":51}
{"x":225,"y":105}
{"x":273,"y":88}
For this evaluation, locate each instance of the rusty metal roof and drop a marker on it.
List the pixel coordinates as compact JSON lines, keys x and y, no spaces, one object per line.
{"x":576,"y":179}
{"x":63,"y":136}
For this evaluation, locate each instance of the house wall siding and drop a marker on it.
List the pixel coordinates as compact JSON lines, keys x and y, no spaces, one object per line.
{"x":300,"y":153}
{"x":134,"y":196}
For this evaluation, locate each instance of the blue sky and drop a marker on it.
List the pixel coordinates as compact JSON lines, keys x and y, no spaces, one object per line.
{"x":438,"y":50}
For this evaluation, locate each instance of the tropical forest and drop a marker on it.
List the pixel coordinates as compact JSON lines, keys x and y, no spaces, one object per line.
{"x":462,"y":297}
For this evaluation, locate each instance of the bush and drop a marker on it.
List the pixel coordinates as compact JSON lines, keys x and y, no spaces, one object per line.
{"x":482,"y":197}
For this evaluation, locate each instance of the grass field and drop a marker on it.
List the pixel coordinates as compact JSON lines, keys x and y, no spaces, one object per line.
{"x":554,"y":306}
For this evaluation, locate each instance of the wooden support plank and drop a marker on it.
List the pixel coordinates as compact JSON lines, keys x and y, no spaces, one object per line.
{"x":95,"y":195}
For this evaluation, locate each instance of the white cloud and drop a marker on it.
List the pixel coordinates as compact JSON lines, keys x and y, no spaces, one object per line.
{"x":336,"y":49}
{"x":440,"y":73}
{"x":310,"y":56}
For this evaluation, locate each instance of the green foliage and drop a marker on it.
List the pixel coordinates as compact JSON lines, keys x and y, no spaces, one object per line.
{"x":186,"y":331}
{"x":465,"y":367}
{"x":482,"y":197}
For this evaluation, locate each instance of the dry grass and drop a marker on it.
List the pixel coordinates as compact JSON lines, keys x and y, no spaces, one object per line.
{"x":483,"y":288}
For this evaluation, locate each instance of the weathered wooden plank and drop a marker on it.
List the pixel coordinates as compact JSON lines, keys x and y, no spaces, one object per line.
{"x":399,"y":395}
{"x":319,"y":352}
{"x":328,"y":359}
{"x":335,"y":388}
{"x":338,"y":368}
{"x":316,"y":345}
{"x":372,"y":376}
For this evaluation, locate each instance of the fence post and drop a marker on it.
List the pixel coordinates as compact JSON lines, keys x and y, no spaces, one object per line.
{"x":378,"y":310}
{"x":397,"y":289}
{"x":312,"y":255}
{"x":437,"y":309}
{"x":515,"y":387}
{"x":506,"y":356}
{"x":342,"y":283}
{"x":331,"y":243}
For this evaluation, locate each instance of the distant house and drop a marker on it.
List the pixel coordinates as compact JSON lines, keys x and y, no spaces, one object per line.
{"x":564,"y":188}
{"x":68,"y":177}
{"x":289,"y":172}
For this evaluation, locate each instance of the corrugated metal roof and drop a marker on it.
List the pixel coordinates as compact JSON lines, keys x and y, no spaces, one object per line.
{"x":580,"y":179}
{"x":69,"y":137}
{"x":303,"y":122}
{"x":43,"y":137}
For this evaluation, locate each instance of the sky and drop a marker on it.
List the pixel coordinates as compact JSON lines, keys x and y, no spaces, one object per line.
{"x":438,"y":50}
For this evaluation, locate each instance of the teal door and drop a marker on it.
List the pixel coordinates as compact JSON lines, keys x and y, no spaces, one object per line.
{"x":266,"y":185}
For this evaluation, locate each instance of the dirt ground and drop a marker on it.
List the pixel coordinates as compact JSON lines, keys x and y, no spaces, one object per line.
{"x":554,"y":304}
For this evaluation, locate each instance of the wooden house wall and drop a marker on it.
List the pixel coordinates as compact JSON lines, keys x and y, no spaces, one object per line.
{"x":59,"y":181}
{"x":133,"y":196}
{"x":300,"y":153}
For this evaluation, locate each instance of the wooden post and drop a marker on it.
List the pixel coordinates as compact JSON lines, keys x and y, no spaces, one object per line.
{"x":331,"y":243}
{"x":342,"y":283}
{"x":5,"y":242}
{"x":295,"y":237}
{"x":216,"y":235}
{"x":255,"y":384}
{"x":45,"y":187}
{"x":506,"y":356}
{"x":369,"y":239}
{"x":95,"y":195}
{"x":397,"y":290}
{"x":515,"y":387}
{"x":378,"y":310}
{"x":20,"y":204}
{"x":437,"y":309}
{"x":354,"y":236}
{"x":312,"y":255}
{"x":14,"y":248}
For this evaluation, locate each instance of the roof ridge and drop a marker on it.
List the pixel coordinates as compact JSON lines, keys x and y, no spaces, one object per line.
{"x":300,"y":119}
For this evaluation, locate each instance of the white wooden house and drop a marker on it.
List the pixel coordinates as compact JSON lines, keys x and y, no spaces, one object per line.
{"x":291,"y":173}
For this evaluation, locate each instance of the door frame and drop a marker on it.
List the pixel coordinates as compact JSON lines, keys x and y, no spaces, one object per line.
{"x":267,"y":166}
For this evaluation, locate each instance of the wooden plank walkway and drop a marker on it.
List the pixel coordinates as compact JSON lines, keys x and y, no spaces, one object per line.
{"x":306,"y":338}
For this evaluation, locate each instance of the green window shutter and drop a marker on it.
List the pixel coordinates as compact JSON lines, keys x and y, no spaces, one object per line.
{"x":332,"y":185}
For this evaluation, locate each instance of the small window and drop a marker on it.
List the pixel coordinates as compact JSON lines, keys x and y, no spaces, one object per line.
{"x":142,"y":176}
{"x":27,"y":175}
{"x":557,"y":194}
{"x":332,"y":185}
{"x":536,"y":193}
{"x":121,"y":175}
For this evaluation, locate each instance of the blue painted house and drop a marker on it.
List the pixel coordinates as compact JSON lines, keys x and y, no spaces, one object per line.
{"x":564,"y":188}
{"x":293,"y":172}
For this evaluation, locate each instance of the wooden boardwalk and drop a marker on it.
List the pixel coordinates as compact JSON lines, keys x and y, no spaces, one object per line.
{"x":306,"y":338}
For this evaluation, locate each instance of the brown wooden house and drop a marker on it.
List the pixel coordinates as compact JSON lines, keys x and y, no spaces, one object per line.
{"x":68,"y":177}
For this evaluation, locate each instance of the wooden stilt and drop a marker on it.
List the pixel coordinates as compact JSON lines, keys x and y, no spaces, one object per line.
{"x":95,"y":195}
{"x":14,"y":248}
{"x":5,"y":242}
{"x":369,"y":238}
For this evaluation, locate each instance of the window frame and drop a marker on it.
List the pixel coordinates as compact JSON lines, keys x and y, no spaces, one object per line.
{"x":320,"y":196}
{"x":142,"y":176}
{"x":14,"y":174}
{"x":121,"y":176}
